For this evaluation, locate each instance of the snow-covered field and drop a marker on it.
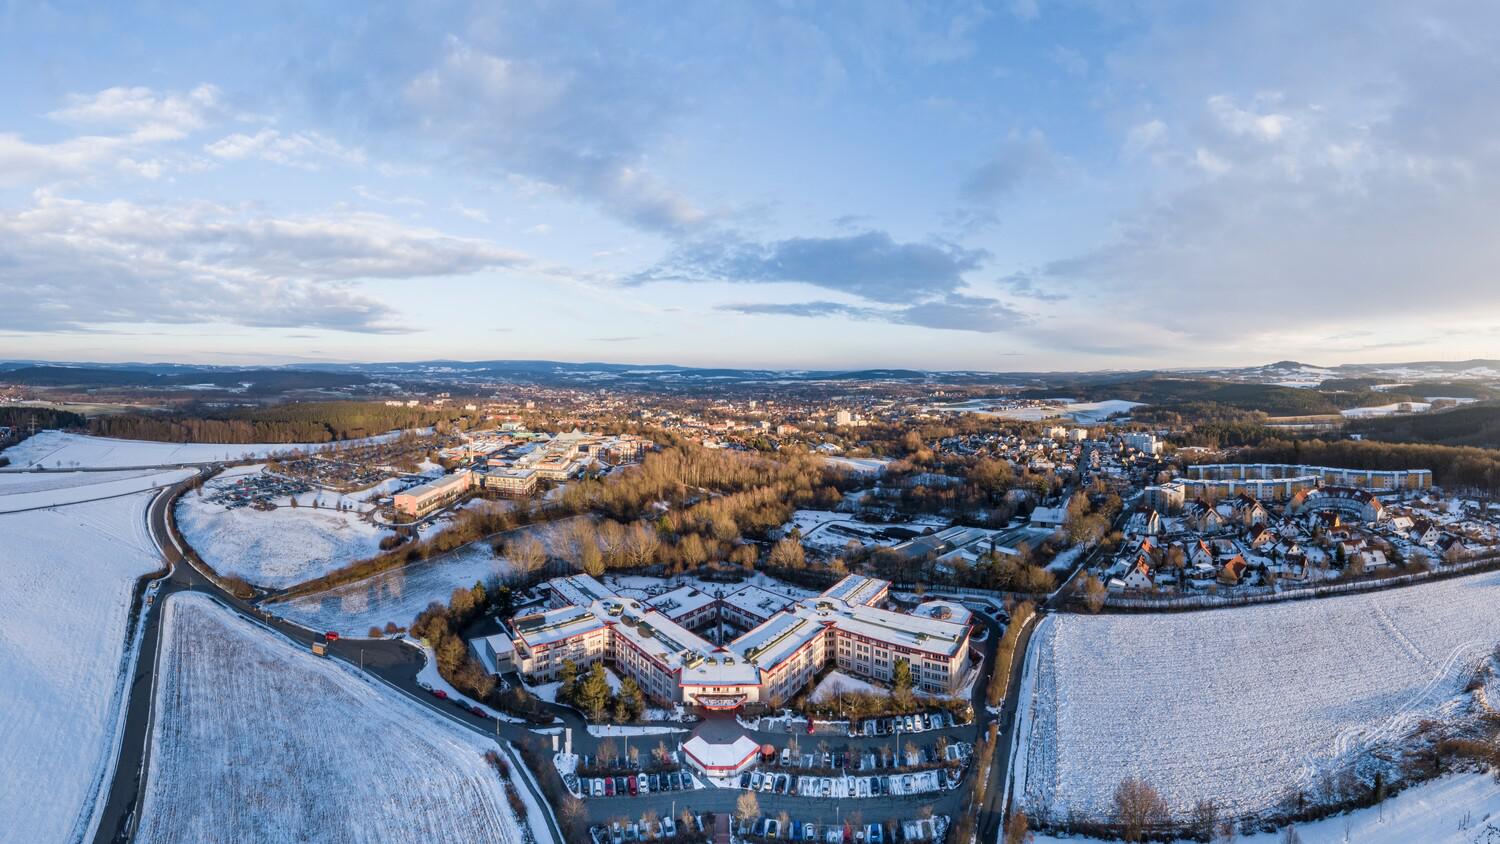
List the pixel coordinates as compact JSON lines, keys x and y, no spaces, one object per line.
{"x":814,"y":528}
{"x":254,"y":739}
{"x":275,"y":548}
{"x":1084,"y":412}
{"x":1248,"y":706}
{"x":861,"y":465}
{"x":400,"y":594}
{"x":837,"y":682}
{"x":1461,"y":809}
{"x":396,"y":596}
{"x":58,"y":449}
{"x":24,"y":491}
{"x":64,"y":609}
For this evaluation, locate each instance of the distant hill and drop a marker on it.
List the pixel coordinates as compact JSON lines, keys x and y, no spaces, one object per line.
{"x":250,"y":380}
{"x":1470,"y":424}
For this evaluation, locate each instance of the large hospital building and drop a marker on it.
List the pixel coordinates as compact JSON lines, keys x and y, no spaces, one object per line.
{"x":785,"y":643}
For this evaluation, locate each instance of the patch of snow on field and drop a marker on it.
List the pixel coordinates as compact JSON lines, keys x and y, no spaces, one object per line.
{"x":399,"y":594}
{"x":838,"y":682}
{"x":861,"y":465}
{"x":256,"y":740}
{"x":25,"y":491}
{"x":1246,"y":705}
{"x":395,"y":596}
{"x":275,"y":548}
{"x":69,"y":574}
{"x":1460,"y":809}
{"x":65,"y":450}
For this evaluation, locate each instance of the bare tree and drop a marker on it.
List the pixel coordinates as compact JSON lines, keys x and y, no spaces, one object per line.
{"x":746,"y":807}
{"x":1138,"y":806}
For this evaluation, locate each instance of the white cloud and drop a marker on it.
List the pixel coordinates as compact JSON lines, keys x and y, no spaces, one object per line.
{"x":72,"y":264}
{"x":153,"y":114}
{"x":307,"y":150}
{"x":1144,"y":136}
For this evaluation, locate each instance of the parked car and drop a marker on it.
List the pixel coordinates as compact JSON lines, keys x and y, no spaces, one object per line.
{"x":609,"y":787}
{"x":478,"y":710}
{"x":755,"y":780}
{"x":745,"y":779}
{"x":773,"y":828}
{"x":642,"y":785}
{"x":331,"y":636}
{"x":439,"y":694}
{"x":874,"y":834}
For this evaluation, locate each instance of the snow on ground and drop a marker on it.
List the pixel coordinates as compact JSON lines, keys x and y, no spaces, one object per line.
{"x":69,"y":574}
{"x":275,"y":548}
{"x":400,"y":594}
{"x":603,"y":730}
{"x":65,"y":450}
{"x":838,"y":682}
{"x":1084,"y":413}
{"x":1246,"y":705}
{"x":396,"y":596}
{"x":33,"y":489}
{"x":1065,"y":559}
{"x":254,"y":739}
{"x":1461,"y":809}
{"x":832,"y":530}
{"x":1386,"y":409}
{"x":861,"y":465}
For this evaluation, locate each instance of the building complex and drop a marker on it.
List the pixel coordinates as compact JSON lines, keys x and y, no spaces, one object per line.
{"x":660,"y":642}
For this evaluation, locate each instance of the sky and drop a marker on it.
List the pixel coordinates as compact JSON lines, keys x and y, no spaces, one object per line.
{"x":1012,"y":185}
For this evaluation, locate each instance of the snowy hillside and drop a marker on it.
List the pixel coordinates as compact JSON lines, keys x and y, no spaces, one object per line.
{"x":256,"y":740}
{"x":57,"y":449}
{"x":69,"y":572}
{"x":1248,"y":706}
{"x":25,"y":491}
{"x":399,"y":594}
{"x":276,"y":548}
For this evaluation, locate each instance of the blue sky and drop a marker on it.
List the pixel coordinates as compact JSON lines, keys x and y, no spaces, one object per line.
{"x":1014,"y":185}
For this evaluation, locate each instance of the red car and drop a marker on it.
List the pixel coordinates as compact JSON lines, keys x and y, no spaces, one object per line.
{"x":630,"y":783}
{"x":809,"y":726}
{"x":439,"y":694}
{"x":331,"y":636}
{"x":478,"y":711}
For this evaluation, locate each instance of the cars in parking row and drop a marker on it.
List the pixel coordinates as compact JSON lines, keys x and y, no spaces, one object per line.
{"x":920,"y":782}
{"x":630,"y":784}
{"x":620,"y":832}
{"x":774,"y":829}
{"x":871,"y":760}
{"x":917,"y":723}
{"x":471,"y":708}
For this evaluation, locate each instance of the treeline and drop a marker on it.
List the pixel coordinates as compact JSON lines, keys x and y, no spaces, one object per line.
{"x":306,"y":422}
{"x":1468,"y":425}
{"x":22,"y":418}
{"x":1452,"y":466}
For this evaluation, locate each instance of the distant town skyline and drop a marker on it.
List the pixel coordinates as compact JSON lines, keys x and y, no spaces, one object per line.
{"x":1014,"y":186}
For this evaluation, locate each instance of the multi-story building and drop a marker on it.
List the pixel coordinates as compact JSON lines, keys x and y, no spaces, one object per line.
{"x":424,"y":498}
{"x":787,"y":642}
{"x":1280,"y":481}
{"x":508,"y":481}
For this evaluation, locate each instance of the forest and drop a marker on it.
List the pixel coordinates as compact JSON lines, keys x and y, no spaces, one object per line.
{"x":303,"y":422}
{"x":1452,"y":466}
{"x":1466,"y":425}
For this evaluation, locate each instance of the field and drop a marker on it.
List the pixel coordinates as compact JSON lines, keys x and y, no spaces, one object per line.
{"x":1461,"y":809}
{"x":69,"y":572}
{"x":1251,"y":706}
{"x":276,"y":548}
{"x":256,"y":740}
{"x":24,"y":491}
{"x":58,"y":449}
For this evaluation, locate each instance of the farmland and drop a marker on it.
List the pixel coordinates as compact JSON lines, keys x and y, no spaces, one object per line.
{"x":242,"y":748}
{"x":1257,"y":708}
{"x":69,"y":574}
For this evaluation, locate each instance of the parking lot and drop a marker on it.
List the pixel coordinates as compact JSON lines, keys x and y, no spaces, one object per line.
{"x":769,"y":829}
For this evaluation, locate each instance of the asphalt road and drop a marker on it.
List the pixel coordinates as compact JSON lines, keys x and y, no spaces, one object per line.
{"x":398,"y":664}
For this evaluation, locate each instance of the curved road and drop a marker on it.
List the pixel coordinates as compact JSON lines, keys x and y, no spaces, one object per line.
{"x":395,"y":663}
{"x":398,"y":665}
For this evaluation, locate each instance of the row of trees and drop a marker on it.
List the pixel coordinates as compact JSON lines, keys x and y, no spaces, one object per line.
{"x":298,"y":422}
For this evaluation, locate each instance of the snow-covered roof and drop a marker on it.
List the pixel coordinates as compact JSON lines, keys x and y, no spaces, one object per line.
{"x":681,"y":602}
{"x":756,"y":601}
{"x":721,"y":756}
